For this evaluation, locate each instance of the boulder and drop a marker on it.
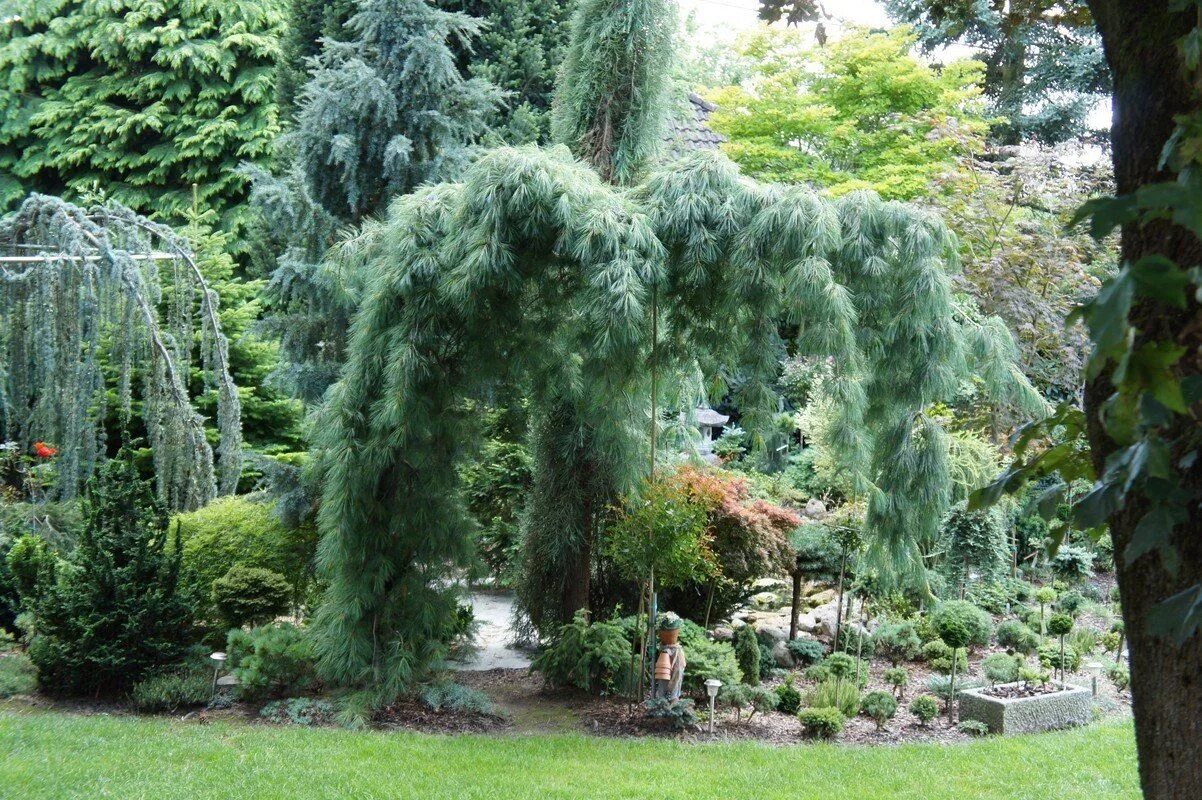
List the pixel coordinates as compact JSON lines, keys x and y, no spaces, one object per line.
{"x":815,"y":509}
{"x":771,"y":584}
{"x":771,"y":633}
{"x":782,"y":656}
{"x":723,"y":633}
{"x":823,"y":597}
{"x":765,"y":600}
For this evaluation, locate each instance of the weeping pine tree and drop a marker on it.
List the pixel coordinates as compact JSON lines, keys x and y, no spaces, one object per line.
{"x":383,"y":111}
{"x":579,"y":274}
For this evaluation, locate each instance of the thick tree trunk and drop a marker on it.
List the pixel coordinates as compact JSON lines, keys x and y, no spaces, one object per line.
{"x":1150,"y":87}
{"x":795,"y":611}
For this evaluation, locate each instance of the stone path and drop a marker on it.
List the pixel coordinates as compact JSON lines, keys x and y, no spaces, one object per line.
{"x":494,"y":635}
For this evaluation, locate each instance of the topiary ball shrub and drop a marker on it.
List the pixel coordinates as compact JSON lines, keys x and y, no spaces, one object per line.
{"x":939,"y":656}
{"x":1001,"y":667}
{"x":747,"y":653}
{"x":925,"y":708}
{"x":961,"y":624}
{"x":250,"y":596}
{"x":821,"y":723}
{"x":880,"y":707}
{"x":897,"y":641}
{"x":788,"y":698}
{"x":1070,"y":602}
{"x":1060,"y":624}
{"x":806,"y":652}
{"x":1014,"y":635}
{"x":1049,"y":657}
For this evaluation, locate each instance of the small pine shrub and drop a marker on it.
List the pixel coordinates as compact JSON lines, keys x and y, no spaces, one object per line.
{"x":169,"y":691}
{"x":305,"y":711}
{"x":767,"y":662}
{"x":941,"y":686}
{"x":747,"y":653}
{"x":271,"y":660}
{"x":1084,"y":640}
{"x":897,"y":641}
{"x":591,"y":656}
{"x":250,"y":596}
{"x":939,"y":656}
{"x":749,"y":698}
{"x":897,"y":677}
{"x":679,"y":713}
{"x":806,"y":652}
{"x":788,"y":699}
{"x":925,"y":708}
{"x":844,"y":696}
{"x":1071,"y":602}
{"x":880,"y":707}
{"x":852,"y":641}
{"x":961,"y":624}
{"x":456,"y":697}
{"x":817,"y":673}
{"x":1073,"y":564}
{"x":973,"y":727}
{"x":821,"y":723}
{"x":1060,"y":624}
{"x":1014,"y":635}
{"x":1049,"y":657}
{"x":1001,"y":667}
{"x":1111,"y":641}
{"x":709,"y":660}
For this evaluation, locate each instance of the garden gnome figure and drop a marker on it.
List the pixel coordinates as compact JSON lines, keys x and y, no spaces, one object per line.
{"x":670,"y":663}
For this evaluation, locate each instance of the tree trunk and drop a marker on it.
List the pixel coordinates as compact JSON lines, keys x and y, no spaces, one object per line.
{"x":795,"y":613}
{"x":1150,"y":87}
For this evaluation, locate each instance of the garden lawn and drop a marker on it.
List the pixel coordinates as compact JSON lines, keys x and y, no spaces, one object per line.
{"x":53,"y":755}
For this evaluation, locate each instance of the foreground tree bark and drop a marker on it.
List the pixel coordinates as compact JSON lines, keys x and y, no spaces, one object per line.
{"x":1151,"y":87}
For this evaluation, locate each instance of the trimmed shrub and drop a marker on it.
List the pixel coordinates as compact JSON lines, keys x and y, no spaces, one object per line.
{"x":817,"y":673}
{"x":939,"y":656}
{"x":751,"y":698}
{"x":1060,"y":624}
{"x":242,"y":531}
{"x":821,"y":723}
{"x":897,"y":677}
{"x":1049,"y":657}
{"x":709,"y":660}
{"x":272,"y":660}
{"x":767,"y":662}
{"x":850,"y":641}
{"x":1071,"y":602}
{"x":806,"y":652}
{"x":250,"y":596}
{"x":788,"y":699}
{"x":880,"y":707}
{"x":961,"y":624}
{"x":169,"y":691}
{"x":747,"y":652}
{"x":897,"y":641}
{"x":679,"y":713}
{"x":925,"y":708}
{"x":1001,"y":667}
{"x":1014,"y":635}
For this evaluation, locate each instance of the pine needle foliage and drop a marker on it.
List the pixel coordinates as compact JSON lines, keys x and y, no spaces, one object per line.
{"x":101,"y":325}
{"x":551,"y":272}
{"x":139,"y":99}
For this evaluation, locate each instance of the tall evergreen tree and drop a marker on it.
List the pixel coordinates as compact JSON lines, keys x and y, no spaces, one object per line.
{"x":519,"y":50}
{"x":138,"y":100}
{"x":535,"y":270}
{"x":382,"y":113}
{"x":309,"y":21}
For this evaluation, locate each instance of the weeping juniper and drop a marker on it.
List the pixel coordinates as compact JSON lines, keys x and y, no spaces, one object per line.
{"x":536,"y":271}
{"x":384,"y":110}
{"x":107,"y":312}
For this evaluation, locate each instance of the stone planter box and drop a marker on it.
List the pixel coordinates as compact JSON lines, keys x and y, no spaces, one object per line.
{"x":1073,"y":705}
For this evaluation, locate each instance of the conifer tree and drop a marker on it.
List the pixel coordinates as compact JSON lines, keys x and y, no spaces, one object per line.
{"x":535,"y":270}
{"x":137,"y":100}
{"x":384,"y":111}
{"x":116,"y":612}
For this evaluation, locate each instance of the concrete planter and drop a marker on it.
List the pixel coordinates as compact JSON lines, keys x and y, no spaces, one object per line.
{"x":1073,"y":705}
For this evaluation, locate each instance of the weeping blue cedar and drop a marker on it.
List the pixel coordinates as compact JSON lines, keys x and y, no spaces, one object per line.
{"x":97,"y":298}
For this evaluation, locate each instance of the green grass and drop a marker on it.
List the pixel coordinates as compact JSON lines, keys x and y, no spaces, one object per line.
{"x":53,"y":755}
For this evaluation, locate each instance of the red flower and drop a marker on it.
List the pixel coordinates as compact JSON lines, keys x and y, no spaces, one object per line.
{"x":43,"y":450}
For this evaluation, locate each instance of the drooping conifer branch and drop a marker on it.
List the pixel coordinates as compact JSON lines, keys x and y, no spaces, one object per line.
{"x":96,"y":314}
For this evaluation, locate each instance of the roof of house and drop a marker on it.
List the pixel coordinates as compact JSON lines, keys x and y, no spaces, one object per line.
{"x":692,"y":131}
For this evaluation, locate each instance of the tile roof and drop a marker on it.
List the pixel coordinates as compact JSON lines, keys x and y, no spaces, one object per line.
{"x":692,"y":132}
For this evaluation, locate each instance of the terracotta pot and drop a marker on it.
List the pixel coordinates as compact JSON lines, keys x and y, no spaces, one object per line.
{"x":669,"y":636}
{"x":663,"y":666}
